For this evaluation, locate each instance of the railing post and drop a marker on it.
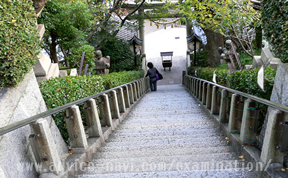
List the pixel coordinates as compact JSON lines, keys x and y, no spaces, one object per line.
{"x":105,"y":112}
{"x":209,"y":96}
{"x":48,"y":154}
{"x":215,"y":100}
{"x":131,"y":94}
{"x":113,"y":101}
{"x":196,"y":88}
{"x":121,"y":100}
{"x":135,"y":91}
{"x":273,"y":150}
{"x":236,"y":113}
{"x":200,"y":91}
{"x":224,"y":107}
{"x":92,"y":120}
{"x":126,"y":96}
{"x":78,"y":140}
{"x":191,"y":85}
{"x":249,"y":123}
{"x":138,"y":89}
{"x":204,"y":93}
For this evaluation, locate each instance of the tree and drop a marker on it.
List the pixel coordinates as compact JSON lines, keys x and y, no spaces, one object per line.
{"x":66,"y":28}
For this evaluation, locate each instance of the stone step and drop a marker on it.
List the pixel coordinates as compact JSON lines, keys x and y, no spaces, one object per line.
{"x":164,"y":113}
{"x":169,"y":159}
{"x":169,"y":139}
{"x":116,"y":137}
{"x":167,"y":118}
{"x":162,"y":152}
{"x":160,"y":133}
{"x":137,"y":126}
{"x":167,"y":129}
{"x":215,"y":173}
{"x":110,"y":147}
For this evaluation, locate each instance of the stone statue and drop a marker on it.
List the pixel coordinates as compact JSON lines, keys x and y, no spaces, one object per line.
{"x":228,"y":55}
{"x":102,"y":63}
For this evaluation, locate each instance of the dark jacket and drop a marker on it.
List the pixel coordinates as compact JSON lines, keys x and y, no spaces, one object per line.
{"x":152,"y":73}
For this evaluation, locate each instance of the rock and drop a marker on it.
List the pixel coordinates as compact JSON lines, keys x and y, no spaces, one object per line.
{"x":73,"y":72}
{"x":63,"y":73}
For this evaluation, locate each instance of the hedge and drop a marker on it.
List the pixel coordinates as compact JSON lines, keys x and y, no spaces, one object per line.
{"x":60,"y":91}
{"x":275,"y":26}
{"x":19,"y":41}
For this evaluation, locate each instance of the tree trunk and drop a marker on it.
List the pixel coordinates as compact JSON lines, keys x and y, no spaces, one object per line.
{"x":54,"y":50}
{"x":214,"y":41}
{"x":258,"y":37}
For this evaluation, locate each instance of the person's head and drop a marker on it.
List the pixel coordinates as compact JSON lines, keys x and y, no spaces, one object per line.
{"x":150,"y":65}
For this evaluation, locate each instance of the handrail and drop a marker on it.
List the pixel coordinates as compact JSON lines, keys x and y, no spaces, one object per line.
{"x":22,"y":123}
{"x":252,"y":97}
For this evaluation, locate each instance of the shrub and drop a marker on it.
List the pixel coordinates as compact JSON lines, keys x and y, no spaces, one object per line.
{"x":75,"y":57}
{"x":121,"y":57}
{"x":19,"y":41}
{"x":275,"y":26}
{"x":60,"y":91}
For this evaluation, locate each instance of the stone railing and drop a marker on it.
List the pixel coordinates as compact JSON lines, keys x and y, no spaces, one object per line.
{"x":103,"y":112}
{"x":237,"y":114}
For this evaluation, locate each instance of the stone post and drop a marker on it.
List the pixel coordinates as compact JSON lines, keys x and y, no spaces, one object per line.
{"x":131,"y":94}
{"x":138,"y":89}
{"x":236,"y":113}
{"x":126,"y":96}
{"x":196,"y":87}
{"x":199,"y":96}
{"x":204,"y":93}
{"x":215,"y":100}
{"x":135,"y":91}
{"x":249,"y":123}
{"x":272,"y":141}
{"x":92,"y":120}
{"x":78,"y":140}
{"x":105,"y":112}
{"x":113,"y":101}
{"x":50,"y":159}
{"x":224,"y":107}
{"x":209,"y":96}
{"x":121,"y":100}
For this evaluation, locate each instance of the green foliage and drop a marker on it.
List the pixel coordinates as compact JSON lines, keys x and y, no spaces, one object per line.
{"x":275,"y":26}
{"x":119,"y":78}
{"x":246,"y":59}
{"x":19,"y":41}
{"x":202,"y":58}
{"x":121,"y":57}
{"x":246,"y":81}
{"x":207,"y":74}
{"x":65,"y":26}
{"x":75,"y":57}
{"x":60,"y":91}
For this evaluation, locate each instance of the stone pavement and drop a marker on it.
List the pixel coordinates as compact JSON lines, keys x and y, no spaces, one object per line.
{"x":161,"y":40}
{"x":167,"y":134}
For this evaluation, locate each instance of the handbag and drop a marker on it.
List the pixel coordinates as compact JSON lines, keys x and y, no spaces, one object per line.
{"x":159,"y":76}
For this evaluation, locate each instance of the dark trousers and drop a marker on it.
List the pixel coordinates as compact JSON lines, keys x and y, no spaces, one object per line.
{"x":153,"y":84}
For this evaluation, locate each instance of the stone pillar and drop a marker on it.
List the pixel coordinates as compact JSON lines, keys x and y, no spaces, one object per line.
{"x":131,"y":94}
{"x":121,"y":100}
{"x":200,"y":91}
{"x":78,"y":140}
{"x":92,"y":120}
{"x":135,"y":91}
{"x":105,"y":113}
{"x":215,"y":100}
{"x":236,"y":113}
{"x":209,"y":96}
{"x":224,"y":107}
{"x":204,"y":93}
{"x":188,"y":27}
{"x":126,"y":96}
{"x":249,"y":123}
{"x":271,"y":149}
{"x":138,"y":89}
{"x":196,"y":87}
{"x":50,"y":159}
{"x":141,"y":30}
{"x":114,"y":108}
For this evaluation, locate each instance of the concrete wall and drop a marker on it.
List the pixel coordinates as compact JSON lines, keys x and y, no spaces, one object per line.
{"x":16,"y":104}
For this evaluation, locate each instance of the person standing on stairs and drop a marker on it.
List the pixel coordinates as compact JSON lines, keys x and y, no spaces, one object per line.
{"x":152,"y":75}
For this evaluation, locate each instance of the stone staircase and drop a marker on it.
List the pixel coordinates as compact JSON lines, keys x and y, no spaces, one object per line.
{"x":167,"y":134}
